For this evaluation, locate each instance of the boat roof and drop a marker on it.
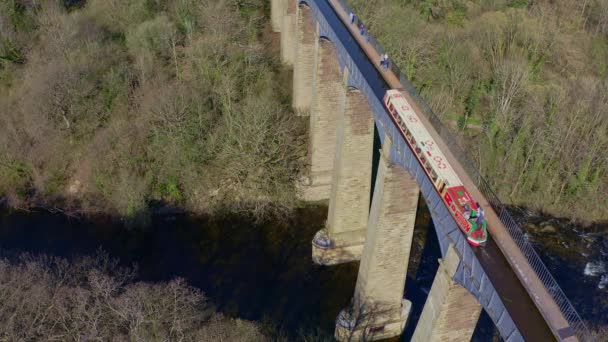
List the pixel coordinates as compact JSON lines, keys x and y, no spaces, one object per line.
{"x":426,"y":142}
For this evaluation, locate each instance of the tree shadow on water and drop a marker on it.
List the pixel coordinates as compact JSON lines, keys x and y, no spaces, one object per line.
{"x":256,"y":271}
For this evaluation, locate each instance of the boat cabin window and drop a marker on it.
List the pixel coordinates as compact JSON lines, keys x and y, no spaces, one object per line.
{"x":427,"y":166}
{"x":408,"y":134}
{"x":433,"y":176}
{"x":441,"y":186}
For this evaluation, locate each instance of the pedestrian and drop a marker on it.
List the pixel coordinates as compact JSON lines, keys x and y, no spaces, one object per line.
{"x":480,"y":214}
{"x":352,"y":18}
{"x":382,"y":60}
{"x":386,"y":62}
{"x":467,"y":212}
{"x":361,"y":29}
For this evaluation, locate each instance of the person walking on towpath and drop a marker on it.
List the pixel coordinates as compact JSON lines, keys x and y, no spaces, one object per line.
{"x":352,"y":18}
{"x":361,"y":29}
{"x":386,"y":61}
{"x":382,"y":60}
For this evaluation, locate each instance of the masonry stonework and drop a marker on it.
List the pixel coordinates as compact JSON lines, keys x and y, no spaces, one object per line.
{"x":278,"y":9}
{"x":328,"y":106}
{"x":378,"y":309}
{"x":306,"y":37}
{"x":288,"y":33}
{"x":351,"y":183}
{"x":451,"y":311}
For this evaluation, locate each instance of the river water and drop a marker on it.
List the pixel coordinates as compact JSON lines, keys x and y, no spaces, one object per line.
{"x":264,"y":272}
{"x":576,"y":255}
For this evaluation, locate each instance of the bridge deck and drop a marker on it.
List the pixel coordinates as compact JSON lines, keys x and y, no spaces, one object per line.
{"x":530,"y":305}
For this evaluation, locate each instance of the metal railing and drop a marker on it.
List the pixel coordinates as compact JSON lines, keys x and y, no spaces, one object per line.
{"x":515,"y":231}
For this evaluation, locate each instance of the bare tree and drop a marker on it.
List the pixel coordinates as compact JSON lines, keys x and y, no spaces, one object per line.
{"x":94,"y":299}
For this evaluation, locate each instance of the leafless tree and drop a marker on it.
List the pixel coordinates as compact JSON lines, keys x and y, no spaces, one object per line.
{"x":52,"y":299}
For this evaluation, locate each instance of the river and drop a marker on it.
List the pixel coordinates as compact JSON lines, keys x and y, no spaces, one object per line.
{"x":263,"y":271}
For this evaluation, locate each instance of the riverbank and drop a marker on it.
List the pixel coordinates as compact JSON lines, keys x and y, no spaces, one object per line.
{"x":250,"y":270}
{"x":92,"y":298}
{"x":258,"y":271}
{"x":263,"y":272}
{"x":577,"y":256}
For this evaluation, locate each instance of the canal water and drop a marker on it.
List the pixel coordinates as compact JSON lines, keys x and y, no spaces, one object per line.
{"x":264,"y":272}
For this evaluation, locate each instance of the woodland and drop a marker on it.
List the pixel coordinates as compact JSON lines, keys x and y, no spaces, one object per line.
{"x":112,"y":106}
{"x":522,"y":83}
{"x":93,"y":299}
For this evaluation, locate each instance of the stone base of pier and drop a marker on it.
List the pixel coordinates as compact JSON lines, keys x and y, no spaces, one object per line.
{"x":327,"y":252}
{"x":315,"y":187}
{"x":371,"y":324}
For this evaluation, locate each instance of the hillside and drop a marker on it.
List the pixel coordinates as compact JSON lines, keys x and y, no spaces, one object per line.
{"x":523,"y":83}
{"x":111,"y":105}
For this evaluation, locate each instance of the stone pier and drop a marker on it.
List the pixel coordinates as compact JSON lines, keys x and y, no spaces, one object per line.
{"x":343,"y":237}
{"x":288,"y":32}
{"x":304,"y":67}
{"x":378,"y":309}
{"x":329,"y":93}
{"x":278,"y":9}
{"x":451,"y":312}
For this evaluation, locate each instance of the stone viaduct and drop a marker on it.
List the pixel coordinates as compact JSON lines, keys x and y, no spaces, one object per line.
{"x":332,"y":84}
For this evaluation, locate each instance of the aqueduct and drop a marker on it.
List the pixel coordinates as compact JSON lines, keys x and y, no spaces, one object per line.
{"x":338,"y":84}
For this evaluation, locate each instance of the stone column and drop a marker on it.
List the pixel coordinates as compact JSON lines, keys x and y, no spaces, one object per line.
{"x":329,"y":93}
{"x":306,"y":38}
{"x":378,"y":308}
{"x":451,"y":311}
{"x":277,"y":12}
{"x":344,"y":234}
{"x":288,"y":33}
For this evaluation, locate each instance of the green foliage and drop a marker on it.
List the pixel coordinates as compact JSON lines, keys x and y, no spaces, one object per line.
{"x":599,"y":55}
{"x":10,"y":52}
{"x":125,"y":102}
{"x":519,"y":3}
{"x":56,"y":183}
{"x":151,"y":39}
{"x":21,"y":14}
{"x":17,"y":21}
{"x":453,"y":12}
{"x":15,"y":178}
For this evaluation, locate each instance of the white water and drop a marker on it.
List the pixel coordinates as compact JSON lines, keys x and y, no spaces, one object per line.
{"x":597,"y":269}
{"x":594,"y":268}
